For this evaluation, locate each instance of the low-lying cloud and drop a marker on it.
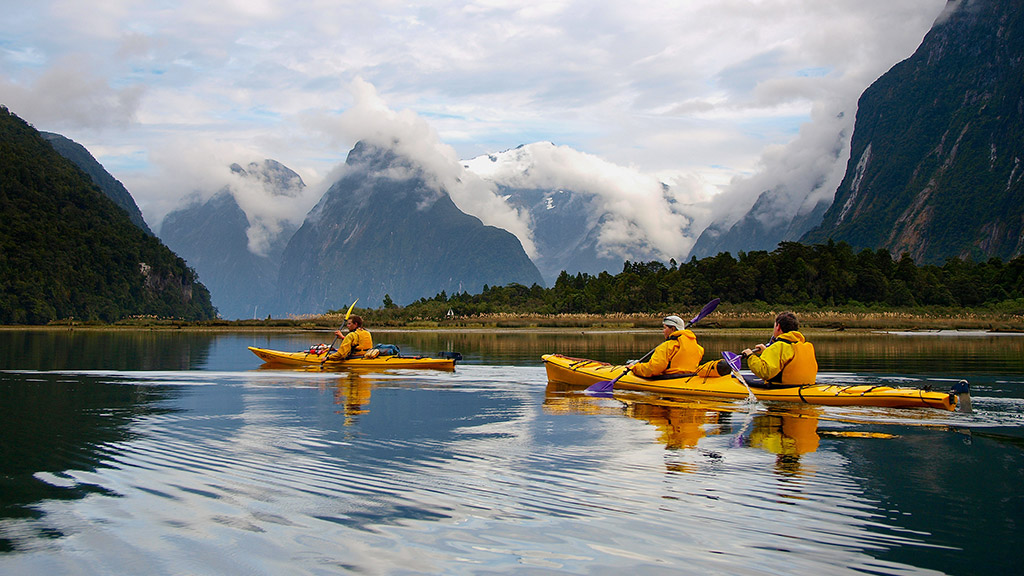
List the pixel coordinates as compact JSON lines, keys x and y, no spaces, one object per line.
{"x":371,"y":120}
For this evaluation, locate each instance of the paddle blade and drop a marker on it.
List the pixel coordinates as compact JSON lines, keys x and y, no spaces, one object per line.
{"x":707,"y":309}
{"x":733,"y":360}
{"x":602,"y":387}
{"x":606,"y":385}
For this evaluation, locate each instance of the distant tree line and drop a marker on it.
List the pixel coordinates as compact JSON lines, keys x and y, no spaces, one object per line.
{"x":798,"y":275}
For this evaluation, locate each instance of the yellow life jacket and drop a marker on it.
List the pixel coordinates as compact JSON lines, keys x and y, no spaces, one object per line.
{"x":687,"y":356}
{"x":803,"y":368}
{"x":363,"y":341}
{"x":679,"y":354}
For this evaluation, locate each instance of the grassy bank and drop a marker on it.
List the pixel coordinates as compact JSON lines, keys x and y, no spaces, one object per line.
{"x":725,"y":318}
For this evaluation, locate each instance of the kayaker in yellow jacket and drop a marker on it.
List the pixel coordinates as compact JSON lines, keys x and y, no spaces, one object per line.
{"x":355,"y":343}
{"x":788,"y":359}
{"x":678,"y":354}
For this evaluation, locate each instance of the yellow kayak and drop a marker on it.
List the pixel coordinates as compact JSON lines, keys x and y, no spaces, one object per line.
{"x":583,"y":373}
{"x":314,"y":357}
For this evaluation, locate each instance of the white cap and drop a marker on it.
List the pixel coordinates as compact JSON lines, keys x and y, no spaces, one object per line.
{"x":675,"y":322}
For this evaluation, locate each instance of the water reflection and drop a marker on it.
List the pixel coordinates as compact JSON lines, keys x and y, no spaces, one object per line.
{"x":787,"y":432}
{"x":835,"y":351}
{"x":104,"y":349}
{"x":352,"y":393}
{"x":53,"y":423}
{"x":489,"y":468}
{"x":188,"y":350}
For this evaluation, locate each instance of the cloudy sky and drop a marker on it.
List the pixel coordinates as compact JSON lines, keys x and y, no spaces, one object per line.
{"x":713,"y":96}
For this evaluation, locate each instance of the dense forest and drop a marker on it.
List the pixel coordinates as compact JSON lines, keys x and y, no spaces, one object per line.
{"x":67,"y":251}
{"x":793,"y":275}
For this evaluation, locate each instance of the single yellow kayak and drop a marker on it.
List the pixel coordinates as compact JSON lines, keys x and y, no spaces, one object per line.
{"x":583,"y":373}
{"x":314,"y":357}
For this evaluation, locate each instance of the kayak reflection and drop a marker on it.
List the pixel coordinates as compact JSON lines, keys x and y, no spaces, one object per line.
{"x":785,"y":433}
{"x":683,"y":423}
{"x":352,"y":393}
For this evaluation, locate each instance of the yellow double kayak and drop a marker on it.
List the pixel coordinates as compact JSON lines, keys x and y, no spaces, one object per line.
{"x":314,"y":357}
{"x":583,"y":373}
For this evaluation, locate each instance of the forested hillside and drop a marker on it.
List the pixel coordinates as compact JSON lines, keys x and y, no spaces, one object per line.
{"x":109,"y":185}
{"x":67,"y":251}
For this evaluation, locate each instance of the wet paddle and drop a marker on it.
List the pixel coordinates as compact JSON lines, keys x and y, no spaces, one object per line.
{"x":606,"y":386}
{"x":327,"y":353}
{"x":733,"y":360}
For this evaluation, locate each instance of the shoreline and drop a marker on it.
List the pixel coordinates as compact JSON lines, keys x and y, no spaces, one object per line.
{"x":593,"y":330}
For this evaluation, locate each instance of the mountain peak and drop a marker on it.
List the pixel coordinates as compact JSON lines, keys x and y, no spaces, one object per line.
{"x":277,"y":177}
{"x":385,"y":227}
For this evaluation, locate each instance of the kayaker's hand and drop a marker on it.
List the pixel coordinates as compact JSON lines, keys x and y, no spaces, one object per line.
{"x":339,"y":334}
{"x":759,"y":348}
{"x":747,"y":353}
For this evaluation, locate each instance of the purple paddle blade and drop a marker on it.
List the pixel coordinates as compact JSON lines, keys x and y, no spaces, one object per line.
{"x":708,"y":309}
{"x":604,"y":385}
{"x":733,"y":359}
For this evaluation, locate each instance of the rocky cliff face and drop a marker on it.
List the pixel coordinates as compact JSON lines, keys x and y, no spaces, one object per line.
{"x":383,"y":229}
{"x":213,"y":236}
{"x":936,"y":165}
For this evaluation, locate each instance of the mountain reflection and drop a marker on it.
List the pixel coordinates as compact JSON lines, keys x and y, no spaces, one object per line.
{"x":55,"y":423}
{"x":103,"y":349}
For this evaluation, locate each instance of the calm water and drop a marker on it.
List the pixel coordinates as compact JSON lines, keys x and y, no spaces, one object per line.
{"x":175,"y":453}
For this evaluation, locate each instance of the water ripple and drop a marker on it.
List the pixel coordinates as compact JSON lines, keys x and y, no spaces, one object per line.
{"x":482,"y":470}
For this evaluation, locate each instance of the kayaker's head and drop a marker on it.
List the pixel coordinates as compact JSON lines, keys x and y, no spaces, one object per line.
{"x":786,"y":322}
{"x":354,"y":322}
{"x":672,"y":324}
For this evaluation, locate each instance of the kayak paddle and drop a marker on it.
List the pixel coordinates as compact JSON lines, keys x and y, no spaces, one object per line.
{"x":327,"y":353}
{"x":733,"y":360}
{"x":608,"y":385}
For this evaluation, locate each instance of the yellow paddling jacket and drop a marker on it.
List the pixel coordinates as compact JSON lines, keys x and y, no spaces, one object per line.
{"x":789,"y":360}
{"x":355,"y":343}
{"x":679,"y":354}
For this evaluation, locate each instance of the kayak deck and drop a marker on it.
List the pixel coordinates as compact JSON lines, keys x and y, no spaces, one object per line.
{"x":582,"y":372}
{"x":314,"y":357}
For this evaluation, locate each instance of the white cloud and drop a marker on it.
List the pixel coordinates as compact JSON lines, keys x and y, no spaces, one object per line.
{"x":71,"y":94}
{"x":371,"y":120}
{"x":706,"y":90}
{"x":640,"y":214}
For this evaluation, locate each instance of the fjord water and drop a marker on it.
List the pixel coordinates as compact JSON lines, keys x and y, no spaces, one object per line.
{"x":175,"y":452}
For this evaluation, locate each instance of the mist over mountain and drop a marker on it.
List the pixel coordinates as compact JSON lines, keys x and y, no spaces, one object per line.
{"x":584,"y":214}
{"x":110,"y":186}
{"x":383,"y":229}
{"x":235,"y":255}
{"x":787,"y":210}
{"x":565,"y":231}
{"x":936,"y":166}
{"x":68,"y":251}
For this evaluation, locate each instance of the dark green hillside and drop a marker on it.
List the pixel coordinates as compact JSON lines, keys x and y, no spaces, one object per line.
{"x":108,"y":184}
{"x":67,"y":251}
